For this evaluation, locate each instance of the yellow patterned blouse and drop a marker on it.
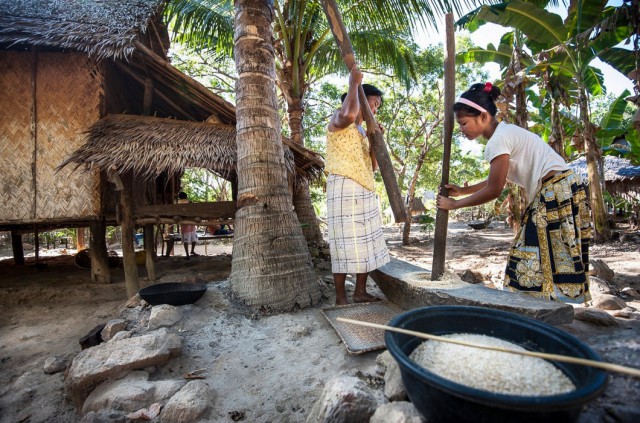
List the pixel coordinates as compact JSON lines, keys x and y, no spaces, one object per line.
{"x":348,"y":155}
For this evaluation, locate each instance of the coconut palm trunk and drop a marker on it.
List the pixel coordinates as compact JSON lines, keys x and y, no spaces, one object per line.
{"x":301,"y":194}
{"x":271,"y":267}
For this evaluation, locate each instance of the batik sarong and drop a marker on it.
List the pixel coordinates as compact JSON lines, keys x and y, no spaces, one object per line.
{"x":550,"y":255}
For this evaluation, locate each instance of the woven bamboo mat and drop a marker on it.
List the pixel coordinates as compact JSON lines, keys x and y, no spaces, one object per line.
{"x":361,"y":339}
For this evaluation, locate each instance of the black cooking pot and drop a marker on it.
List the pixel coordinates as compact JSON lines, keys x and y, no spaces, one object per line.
{"x":442,"y":400}
{"x":173,"y":293}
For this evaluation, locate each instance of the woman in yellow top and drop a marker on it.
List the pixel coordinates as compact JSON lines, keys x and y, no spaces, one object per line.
{"x":355,"y":227}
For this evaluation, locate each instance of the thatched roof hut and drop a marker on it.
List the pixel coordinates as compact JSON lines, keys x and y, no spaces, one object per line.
{"x":620,"y":176}
{"x":149,"y":146}
{"x":66,"y":65}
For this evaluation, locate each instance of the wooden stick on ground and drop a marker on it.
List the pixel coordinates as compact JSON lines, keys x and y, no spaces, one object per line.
{"x":373,"y":131}
{"x":442,"y":216}
{"x":555,"y":357}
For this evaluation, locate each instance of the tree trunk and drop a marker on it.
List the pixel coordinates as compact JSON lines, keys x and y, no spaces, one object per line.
{"x":592,"y":153}
{"x":100,"y":272}
{"x":150,"y":252}
{"x":271,"y":267}
{"x":301,"y":194}
{"x":18,"y":249}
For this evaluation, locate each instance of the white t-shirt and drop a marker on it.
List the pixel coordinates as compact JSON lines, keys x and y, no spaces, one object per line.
{"x":530,"y":158}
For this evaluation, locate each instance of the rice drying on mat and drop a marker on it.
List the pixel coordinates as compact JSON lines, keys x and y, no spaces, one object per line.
{"x":494,"y":371}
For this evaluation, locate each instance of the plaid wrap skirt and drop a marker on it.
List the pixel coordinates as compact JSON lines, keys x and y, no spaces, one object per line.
{"x":356,"y":241}
{"x":550,"y":255}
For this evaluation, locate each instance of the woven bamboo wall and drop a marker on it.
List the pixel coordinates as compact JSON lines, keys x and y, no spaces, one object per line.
{"x":69,"y":96}
{"x":68,"y":100}
{"x":16,"y":140}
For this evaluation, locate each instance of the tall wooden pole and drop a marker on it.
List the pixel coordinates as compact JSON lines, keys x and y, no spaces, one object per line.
{"x":442,"y":216}
{"x":17,"y":247}
{"x":149,"y":242}
{"x":100,"y":272}
{"x":373,"y":131}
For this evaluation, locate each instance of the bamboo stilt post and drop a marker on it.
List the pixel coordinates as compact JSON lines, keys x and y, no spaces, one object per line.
{"x":149,"y":241}
{"x":100,"y":272}
{"x":442,"y":216}
{"x":373,"y":131}
{"x":17,"y":247}
{"x":128,"y":252}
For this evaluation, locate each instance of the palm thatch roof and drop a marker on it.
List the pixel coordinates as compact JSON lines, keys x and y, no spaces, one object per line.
{"x":101,"y":28}
{"x":148,"y":146}
{"x":620,"y":176}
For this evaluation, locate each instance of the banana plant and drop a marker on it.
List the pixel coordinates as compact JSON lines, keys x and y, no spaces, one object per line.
{"x":564,"y":51}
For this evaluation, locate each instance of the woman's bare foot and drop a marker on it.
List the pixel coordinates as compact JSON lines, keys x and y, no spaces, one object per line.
{"x":365,"y":298}
{"x":341,"y":301}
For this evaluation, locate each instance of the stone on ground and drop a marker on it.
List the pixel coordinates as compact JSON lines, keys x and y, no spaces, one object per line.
{"x":111,"y":359}
{"x":599,"y":286}
{"x":397,"y":412}
{"x":409,"y":287}
{"x":130,"y":393}
{"x":164,"y":315}
{"x":472,"y":276}
{"x":188,"y":404}
{"x":595,"y":316}
{"x":111,"y":328}
{"x":393,"y":385}
{"x":109,"y":416}
{"x":601,"y":270}
{"x":608,"y":302}
{"x":55,"y":364}
{"x":345,"y":399}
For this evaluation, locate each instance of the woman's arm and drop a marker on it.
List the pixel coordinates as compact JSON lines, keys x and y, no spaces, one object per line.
{"x":491,"y":190}
{"x":348,"y":113}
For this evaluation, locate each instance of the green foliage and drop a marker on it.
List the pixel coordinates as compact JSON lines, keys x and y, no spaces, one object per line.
{"x":427,"y":222}
{"x":202,"y":185}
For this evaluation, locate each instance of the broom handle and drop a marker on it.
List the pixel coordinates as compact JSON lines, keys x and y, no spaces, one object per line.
{"x":555,"y":357}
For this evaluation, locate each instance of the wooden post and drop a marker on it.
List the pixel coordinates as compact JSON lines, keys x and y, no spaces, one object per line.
{"x":80,"y":242}
{"x":126,"y":224}
{"x":16,"y":246}
{"x":100,"y":272}
{"x":442,"y":216}
{"x":373,"y":131}
{"x":149,"y":248}
{"x":36,"y":244}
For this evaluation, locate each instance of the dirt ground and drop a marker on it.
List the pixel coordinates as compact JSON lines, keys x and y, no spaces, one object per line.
{"x":271,"y":368}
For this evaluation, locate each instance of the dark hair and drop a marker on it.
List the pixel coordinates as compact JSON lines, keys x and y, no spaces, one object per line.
{"x":369,"y":91}
{"x":182,"y":195}
{"x":484,"y":95}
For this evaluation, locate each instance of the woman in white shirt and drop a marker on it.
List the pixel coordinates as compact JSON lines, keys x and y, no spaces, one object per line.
{"x":550,"y":254}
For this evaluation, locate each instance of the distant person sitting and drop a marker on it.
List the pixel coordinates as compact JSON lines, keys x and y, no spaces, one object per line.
{"x":219,"y":229}
{"x":188,"y":232}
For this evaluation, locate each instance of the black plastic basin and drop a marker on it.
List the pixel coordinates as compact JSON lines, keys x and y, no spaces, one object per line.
{"x":441,"y":400}
{"x":173,"y":293}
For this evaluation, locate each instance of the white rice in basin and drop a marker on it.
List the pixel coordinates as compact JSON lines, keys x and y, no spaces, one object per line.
{"x":494,"y":371}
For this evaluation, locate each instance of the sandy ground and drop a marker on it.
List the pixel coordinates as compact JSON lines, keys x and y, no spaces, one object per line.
{"x":272,"y":368}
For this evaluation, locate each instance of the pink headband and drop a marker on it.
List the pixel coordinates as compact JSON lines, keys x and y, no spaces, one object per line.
{"x":472,"y":104}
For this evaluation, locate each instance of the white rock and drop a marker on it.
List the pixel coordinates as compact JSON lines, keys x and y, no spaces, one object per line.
{"x":111,"y":359}
{"x":164,"y":315}
{"x":397,"y":412}
{"x":55,"y":364}
{"x":630,"y":292}
{"x":188,"y":404}
{"x":125,"y":334}
{"x":131,"y":393}
{"x":345,"y":399}
{"x":111,"y":328}
{"x":393,"y":385}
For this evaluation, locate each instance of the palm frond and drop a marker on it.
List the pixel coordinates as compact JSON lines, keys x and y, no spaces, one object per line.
{"x":202,"y":23}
